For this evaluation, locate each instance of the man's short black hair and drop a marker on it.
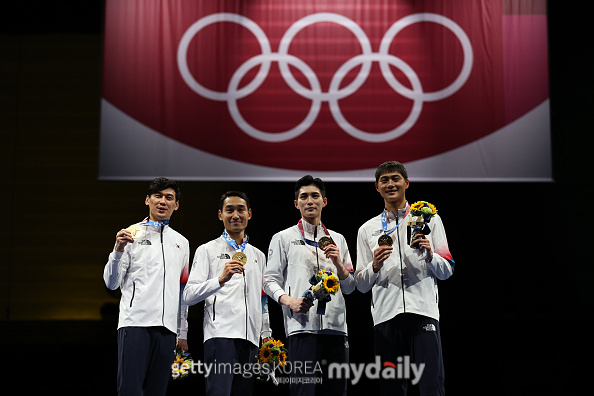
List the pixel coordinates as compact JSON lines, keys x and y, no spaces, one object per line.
{"x":239,"y":194}
{"x":162,"y":183}
{"x":389,"y":167}
{"x":308,"y":180}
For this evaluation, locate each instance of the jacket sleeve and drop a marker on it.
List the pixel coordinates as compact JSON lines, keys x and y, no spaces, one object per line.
{"x":442,"y":263}
{"x":266,"y":331}
{"x":182,"y":330}
{"x":200,"y":286}
{"x":364,"y":275}
{"x":277,"y":263}
{"x":116,"y":268}
{"x":347,"y":285}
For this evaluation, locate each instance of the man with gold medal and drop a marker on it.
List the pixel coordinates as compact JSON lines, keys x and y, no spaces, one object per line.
{"x":315,"y":333}
{"x":402,"y":270}
{"x":149,"y":263}
{"x":227,"y":273}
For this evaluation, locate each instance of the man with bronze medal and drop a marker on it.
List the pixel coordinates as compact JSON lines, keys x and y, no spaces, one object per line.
{"x":227,"y":273}
{"x":401,"y":263}
{"x":150,"y":264}
{"x":316,"y":329}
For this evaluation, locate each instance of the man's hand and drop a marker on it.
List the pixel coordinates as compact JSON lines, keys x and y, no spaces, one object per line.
{"x":331,"y":251}
{"x":123,"y":237}
{"x":231,"y":268}
{"x":301,"y":305}
{"x":423,"y":244}
{"x":379,"y":255}
{"x":183,"y":344}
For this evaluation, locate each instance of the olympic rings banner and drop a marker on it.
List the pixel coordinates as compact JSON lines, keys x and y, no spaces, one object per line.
{"x":271,"y":90}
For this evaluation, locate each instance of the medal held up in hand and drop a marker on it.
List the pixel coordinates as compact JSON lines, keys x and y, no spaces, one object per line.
{"x":325,"y":241}
{"x":135,"y":230}
{"x":385,"y":240}
{"x":240,"y":256}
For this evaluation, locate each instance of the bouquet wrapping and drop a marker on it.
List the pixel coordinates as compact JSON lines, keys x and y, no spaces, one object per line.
{"x":421,"y":214}
{"x":323,"y":285}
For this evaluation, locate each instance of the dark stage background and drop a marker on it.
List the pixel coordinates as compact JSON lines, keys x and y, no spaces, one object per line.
{"x":516,"y":316}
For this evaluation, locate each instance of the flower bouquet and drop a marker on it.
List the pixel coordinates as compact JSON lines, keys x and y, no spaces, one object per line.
{"x":421,"y":214}
{"x":182,"y":364}
{"x":323,"y":285}
{"x":272,"y":354}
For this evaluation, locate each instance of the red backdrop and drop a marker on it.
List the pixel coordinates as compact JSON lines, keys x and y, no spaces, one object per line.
{"x":333,"y":87}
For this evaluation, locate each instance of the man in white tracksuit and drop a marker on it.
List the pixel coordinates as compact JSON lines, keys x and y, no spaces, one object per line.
{"x":227,"y":273}
{"x":403,"y":280}
{"x":149,"y":264}
{"x":316,"y":331}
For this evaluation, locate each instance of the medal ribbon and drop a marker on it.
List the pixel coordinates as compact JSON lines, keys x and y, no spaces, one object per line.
{"x":155,"y":223}
{"x":233,"y":244}
{"x":385,"y":220}
{"x":308,"y":241}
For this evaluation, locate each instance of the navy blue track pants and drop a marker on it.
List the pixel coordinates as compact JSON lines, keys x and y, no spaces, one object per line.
{"x":415,"y":339}
{"x":145,"y":356}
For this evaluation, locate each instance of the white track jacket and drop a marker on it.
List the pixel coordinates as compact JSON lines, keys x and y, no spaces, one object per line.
{"x":149,"y":274}
{"x":291,"y":263}
{"x":235,"y":309}
{"x":405,"y":283}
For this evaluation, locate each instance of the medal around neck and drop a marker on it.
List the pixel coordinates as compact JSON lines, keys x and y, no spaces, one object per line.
{"x":385,"y":240}
{"x":240,"y":256}
{"x":136,"y":231}
{"x":325,"y":241}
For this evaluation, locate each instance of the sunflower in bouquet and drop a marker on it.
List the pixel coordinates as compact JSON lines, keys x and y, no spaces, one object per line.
{"x":423,"y":208}
{"x":329,"y":280}
{"x":421,"y":214}
{"x":182,"y":364}
{"x":273,"y":353}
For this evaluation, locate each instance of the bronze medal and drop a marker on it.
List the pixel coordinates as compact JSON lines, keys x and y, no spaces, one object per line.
{"x":239,"y":256}
{"x":136,"y":231}
{"x":325,"y":241}
{"x":385,"y":240}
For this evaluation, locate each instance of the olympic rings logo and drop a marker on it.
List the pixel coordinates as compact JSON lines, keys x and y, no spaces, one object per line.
{"x":335,"y":92}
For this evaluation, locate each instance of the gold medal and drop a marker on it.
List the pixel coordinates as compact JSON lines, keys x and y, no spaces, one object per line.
{"x":385,"y":240}
{"x":325,"y":241}
{"x":239,"y":256}
{"x":136,"y":231}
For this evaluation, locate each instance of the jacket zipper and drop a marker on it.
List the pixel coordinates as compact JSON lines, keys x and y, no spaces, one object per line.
{"x":401,"y":273}
{"x":290,"y":310}
{"x":214,"y":315}
{"x":246,"y":305}
{"x":164,"y":273}
{"x":133,"y":292}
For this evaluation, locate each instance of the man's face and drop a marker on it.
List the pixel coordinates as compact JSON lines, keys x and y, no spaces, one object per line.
{"x":235,"y":214}
{"x":310,"y":203}
{"x":392,"y":187}
{"x":162,"y":204}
